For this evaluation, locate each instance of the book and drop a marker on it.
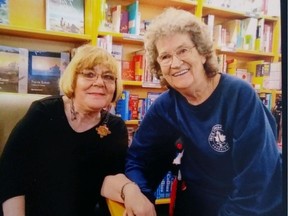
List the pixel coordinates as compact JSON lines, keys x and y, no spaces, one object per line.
{"x":124,"y":21}
{"x":13,"y":69}
{"x":117,"y":52}
{"x":248,"y":32}
{"x":105,"y":42}
{"x":254,"y":67}
{"x":139,"y":66}
{"x":133,"y":106}
{"x":122,"y":105}
{"x":133,"y":17}
{"x":259,"y":45}
{"x":232,"y":33}
{"x":231,"y":66}
{"x":44,"y":71}
{"x":4,"y":12}
{"x":267,"y":37}
{"x":116,"y":17}
{"x":65,"y":16}
{"x":217,"y":36}
{"x":209,"y":21}
{"x":151,"y":97}
{"x":274,"y":79}
{"x":128,"y":70}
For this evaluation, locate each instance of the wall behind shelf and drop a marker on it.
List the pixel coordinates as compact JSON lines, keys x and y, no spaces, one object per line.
{"x":28,"y":13}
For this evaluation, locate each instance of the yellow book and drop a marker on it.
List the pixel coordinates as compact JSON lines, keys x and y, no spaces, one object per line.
{"x":232,"y":66}
{"x":255,"y":68}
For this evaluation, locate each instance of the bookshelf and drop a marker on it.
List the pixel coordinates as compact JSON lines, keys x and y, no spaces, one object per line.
{"x":149,"y":9}
{"x":28,"y":30}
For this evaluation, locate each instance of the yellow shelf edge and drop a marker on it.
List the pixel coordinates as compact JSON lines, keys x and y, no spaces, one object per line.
{"x":132,"y":122}
{"x":162,"y":201}
{"x":132,"y":83}
{"x":42,"y":33}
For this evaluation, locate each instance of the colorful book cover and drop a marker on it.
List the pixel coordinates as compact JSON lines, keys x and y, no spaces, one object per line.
{"x":133,"y":10}
{"x":133,"y":106}
{"x":255,"y":68}
{"x":4,"y":12}
{"x":122,"y":106}
{"x":44,"y":71}
{"x":128,"y":70}
{"x":124,"y":22}
{"x":139,"y":66}
{"x":13,"y":69}
{"x":151,"y":97}
{"x":65,"y":16}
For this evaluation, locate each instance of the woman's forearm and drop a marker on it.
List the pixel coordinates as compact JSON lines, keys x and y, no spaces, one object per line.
{"x":14,"y":206}
{"x":112,"y":185}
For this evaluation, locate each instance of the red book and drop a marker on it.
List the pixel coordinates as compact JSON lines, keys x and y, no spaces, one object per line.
{"x":133,"y":106}
{"x":128,"y":70}
{"x":139,"y":66}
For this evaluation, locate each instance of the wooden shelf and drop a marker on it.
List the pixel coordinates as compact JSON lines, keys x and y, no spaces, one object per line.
{"x":185,"y":4}
{"x":43,"y":34}
{"x":246,"y":53}
{"x":123,"y":38}
{"x":232,"y":14}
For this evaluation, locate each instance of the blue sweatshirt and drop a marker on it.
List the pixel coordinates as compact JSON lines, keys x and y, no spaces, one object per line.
{"x":231,"y":163}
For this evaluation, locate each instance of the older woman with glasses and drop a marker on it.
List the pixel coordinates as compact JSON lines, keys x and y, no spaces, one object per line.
{"x":230,"y":163}
{"x":57,"y":156}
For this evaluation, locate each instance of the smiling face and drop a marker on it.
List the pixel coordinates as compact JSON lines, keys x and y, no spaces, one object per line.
{"x":186,"y":72}
{"x":94,"y":95}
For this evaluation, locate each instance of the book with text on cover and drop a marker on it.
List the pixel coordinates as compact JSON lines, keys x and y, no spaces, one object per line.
{"x":13,"y":69}
{"x":44,"y":71}
{"x":65,"y":16}
{"x":4,"y":12}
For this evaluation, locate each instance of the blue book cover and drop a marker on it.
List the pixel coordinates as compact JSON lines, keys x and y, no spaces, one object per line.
{"x":133,"y":10}
{"x":44,"y":71}
{"x":160,"y":192}
{"x":122,"y":106}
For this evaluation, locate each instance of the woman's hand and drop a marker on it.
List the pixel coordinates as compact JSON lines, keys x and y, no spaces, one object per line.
{"x":136,"y":203}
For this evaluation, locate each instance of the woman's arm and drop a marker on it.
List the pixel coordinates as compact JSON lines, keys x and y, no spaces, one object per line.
{"x":112,"y":185}
{"x":121,"y":189}
{"x":14,"y":206}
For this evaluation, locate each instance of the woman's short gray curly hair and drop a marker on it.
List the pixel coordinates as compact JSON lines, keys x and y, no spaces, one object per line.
{"x":172,"y":21}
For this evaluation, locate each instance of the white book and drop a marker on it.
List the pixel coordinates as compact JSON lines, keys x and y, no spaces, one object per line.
{"x":249,"y":29}
{"x":117,"y":52}
{"x":116,"y":17}
{"x":209,"y":21}
{"x":65,"y":16}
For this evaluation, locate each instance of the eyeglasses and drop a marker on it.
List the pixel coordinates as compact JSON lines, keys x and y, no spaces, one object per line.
{"x":167,"y":58}
{"x":90,"y":75}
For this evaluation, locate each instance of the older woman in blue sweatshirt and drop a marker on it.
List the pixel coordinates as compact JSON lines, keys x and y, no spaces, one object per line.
{"x":230,"y":163}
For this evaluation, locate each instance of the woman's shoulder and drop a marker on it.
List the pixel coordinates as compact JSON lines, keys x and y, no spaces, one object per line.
{"x":49,"y":104}
{"x":234,"y":82}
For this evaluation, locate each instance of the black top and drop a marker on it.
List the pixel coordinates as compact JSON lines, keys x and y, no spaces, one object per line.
{"x":60,"y":171}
